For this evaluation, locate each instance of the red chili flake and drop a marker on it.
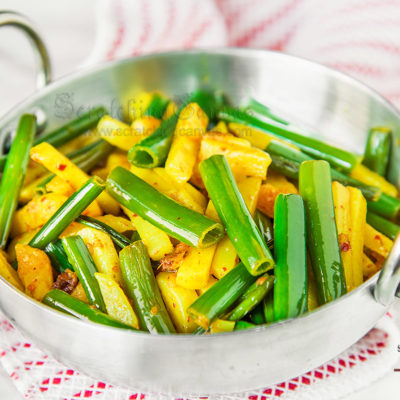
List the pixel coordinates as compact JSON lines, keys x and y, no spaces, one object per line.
{"x":179,"y":218}
{"x":377,"y":237}
{"x":188,"y":318}
{"x":61,"y":167}
{"x":223,"y":148}
{"x":155,"y":183}
{"x":261,"y":280}
{"x":345,"y":246}
{"x":43,"y":199}
{"x":224,"y":269}
{"x":173,"y":305}
{"x":154,"y":310}
{"x":134,"y":215}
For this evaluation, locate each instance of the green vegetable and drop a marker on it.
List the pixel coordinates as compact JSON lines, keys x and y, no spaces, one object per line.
{"x":67,"y":213}
{"x":58,"y":257}
{"x":69,"y":131}
{"x":63,"y":302}
{"x":157,"y":107}
{"x":178,"y":221}
{"x":142,"y":288}
{"x":221,"y":296}
{"x":85,"y":158}
{"x":119,"y":239}
{"x":88,"y":160}
{"x":322,"y":241}
{"x":377,"y":150}
{"x":386,"y":206}
{"x":85,"y":268}
{"x":264,"y":111}
{"x":14,"y":174}
{"x":265,"y":227}
{"x":338,"y":158}
{"x":257,"y":315}
{"x":268,"y":306}
{"x":287,"y":160}
{"x":153,"y":150}
{"x":234,"y":214}
{"x":243,"y":325}
{"x":252,"y":297}
{"x":290,"y":290}
{"x":382,"y":225}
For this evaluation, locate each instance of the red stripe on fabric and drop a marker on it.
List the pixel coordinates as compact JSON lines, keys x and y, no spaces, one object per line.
{"x":120,"y":30}
{"x":280,"y":44}
{"x":366,"y":5}
{"x":144,"y":37}
{"x":364,"y":69}
{"x":384,"y":46}
{"x":253,"y":32}
{"x":232,"y":17}
{"x":170,"y":21}
{"x":196,"y":35}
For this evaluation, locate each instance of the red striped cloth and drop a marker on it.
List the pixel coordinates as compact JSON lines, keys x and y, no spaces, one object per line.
{"x":359,"y":37}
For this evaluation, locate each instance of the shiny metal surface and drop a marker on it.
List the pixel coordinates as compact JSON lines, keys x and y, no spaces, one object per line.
{"x":43,"y":67}
{"x":336,"y":107}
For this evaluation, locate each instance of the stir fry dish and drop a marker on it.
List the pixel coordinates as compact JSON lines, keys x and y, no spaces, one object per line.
{"x":191,"y":217}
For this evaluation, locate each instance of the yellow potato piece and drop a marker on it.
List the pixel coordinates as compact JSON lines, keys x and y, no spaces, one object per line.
{"x":177,"y":300}
{"x":365,"y":175}
{"x":248,"y":161}
{"x":79,"y":293}
{"x":190,"y":128}
{"x":221,"y":325}
{"x":225,"y":258}
{"x":376,"y":241}
{"x":102,"y":250}
{"x":369,"y":268}
{"x":9,"y":273}
{"x":24,"y":238}
{"x":210,"y":283}
{"x":63,"y":167}
{"x":358,"y":215}
{"x":36,"y":213}
{"x":194,"y":271}
{"x":34,"y":270}
{"x":120,"y":224}
{"x":117,"y":304}
{"x":157,"y":242}
{"x":341,"y":201}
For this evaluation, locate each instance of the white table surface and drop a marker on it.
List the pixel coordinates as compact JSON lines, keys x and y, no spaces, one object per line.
{"x":68,"y":29}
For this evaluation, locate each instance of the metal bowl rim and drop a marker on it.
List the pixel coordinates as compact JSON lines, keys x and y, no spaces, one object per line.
{"x":228,"y":51}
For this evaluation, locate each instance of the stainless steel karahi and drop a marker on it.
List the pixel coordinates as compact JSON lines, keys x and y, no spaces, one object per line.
{"x":333,"y":104}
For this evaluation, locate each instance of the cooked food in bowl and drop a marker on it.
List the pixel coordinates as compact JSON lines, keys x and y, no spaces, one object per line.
{"x":191,"y":217}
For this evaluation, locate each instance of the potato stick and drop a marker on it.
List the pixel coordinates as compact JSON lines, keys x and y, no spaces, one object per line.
{"x":341,"y":201}
{"x":190,"y":128}
{"x":194,"y":271}
{"x":369,"y":268}
{"x":34,"y":270}
{"x":242,"y":160}
{"x":177,"y":300}
{"x":157,"y":242}
{"x":9,"y":273}
{"x":376,"y":241}
{"x":365,"y":175}
{"x":358,"y":215}
{"x":102,"y":250}
{"x":63,"y":167}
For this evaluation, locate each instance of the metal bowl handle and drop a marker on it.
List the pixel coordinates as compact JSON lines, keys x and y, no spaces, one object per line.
{"x":388,"y":285}
{"x":43,"y":67}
